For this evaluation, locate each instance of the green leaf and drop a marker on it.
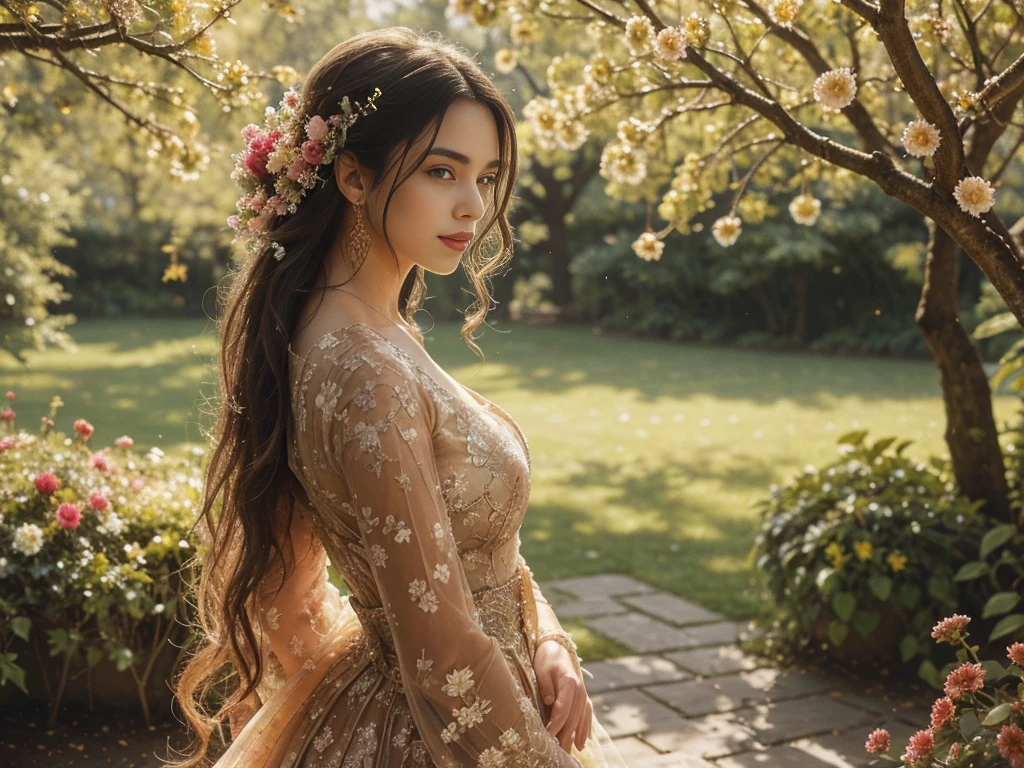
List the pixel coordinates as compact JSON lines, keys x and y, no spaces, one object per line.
{"x":844,"y":604}
{"x":58,"y":639}
{"x":853,"y":438}
{"x":927,"y":672}
{"x":1000,"y":603}
{"x":969,"y":724}
{"x":1007,"y":625}
{"x":1001,"y":323}
{"x":93,"y":655}
{"x":972,"y":570}
{"x":865,"y":622}
{"x":940,"y":588}
{"x":837,"y":632}
{"x":21,"y":626}
{"x":997,"y":714}
{"x":910,"y":595}
{"x":908,"y":648}
{"x":994,"y":671}
{"x":880,"y":586}
{"x":11,"y":671}
{"x":996,"y":538}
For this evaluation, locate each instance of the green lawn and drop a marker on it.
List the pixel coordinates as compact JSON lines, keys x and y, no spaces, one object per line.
{"x":646,"y":455}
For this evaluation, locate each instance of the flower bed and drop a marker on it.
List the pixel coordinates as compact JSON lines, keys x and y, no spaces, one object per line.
{"x":96,"y":554}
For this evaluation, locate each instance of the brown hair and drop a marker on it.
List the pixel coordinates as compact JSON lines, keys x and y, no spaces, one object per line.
{"x":247,"y":475}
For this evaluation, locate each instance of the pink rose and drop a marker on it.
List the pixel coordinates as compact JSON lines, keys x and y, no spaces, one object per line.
{"x":6,"y":443}
{"x":47,"y":483}
{"x":124,"y":442}
{"x":312,"y":153}
{"x":317,"y":128}
{"x":68,"y":516}
{"x":84,"y":428}
{"x":7,"y":414}
{"x":10,"y":395}
{"x":100,"y":462}
{"x":297,"y":168}
{"x":98,"y":502}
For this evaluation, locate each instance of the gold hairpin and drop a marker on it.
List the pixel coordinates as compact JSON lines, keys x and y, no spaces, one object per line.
{"x":363,"y":109}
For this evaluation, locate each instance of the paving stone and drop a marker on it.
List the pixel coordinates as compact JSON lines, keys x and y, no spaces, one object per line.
{"x":635,"y":750}
{"x":631,"y":713}
{"x":708,"y":737}
{"x":632,"y":671}
{"x":604,"y":585}
{"x":793,"y":719}
{"x":722,"y":633}
{"x":672,"y":609}
{"x":847,"y":748}
{"x":784,"y":756}
{"x":671,"y":760}
{"x":590,"y":606}
{"x":715,"y":660}
{"x":642,"y":633}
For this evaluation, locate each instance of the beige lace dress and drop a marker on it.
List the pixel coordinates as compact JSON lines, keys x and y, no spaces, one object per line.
{"x":416,"y":496}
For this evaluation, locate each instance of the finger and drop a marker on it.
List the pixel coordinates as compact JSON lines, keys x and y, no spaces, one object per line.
{"x":573,"y":724}
{"x":583,"y":729}
{"x":566,"y":692}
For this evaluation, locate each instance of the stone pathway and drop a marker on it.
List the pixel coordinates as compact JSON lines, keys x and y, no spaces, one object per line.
{"x":690,"y":698}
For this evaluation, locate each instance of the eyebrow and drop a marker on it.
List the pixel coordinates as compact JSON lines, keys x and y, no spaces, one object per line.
{"x":458,"y":156}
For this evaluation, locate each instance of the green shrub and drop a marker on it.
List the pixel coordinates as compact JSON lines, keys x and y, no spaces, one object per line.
{"x":860,"y":556}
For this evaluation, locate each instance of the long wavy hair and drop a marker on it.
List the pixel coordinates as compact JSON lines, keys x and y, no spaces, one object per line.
{"x":250,"y":492}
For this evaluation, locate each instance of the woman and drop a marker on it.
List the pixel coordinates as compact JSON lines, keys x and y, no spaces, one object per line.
{"x":397,"y":156}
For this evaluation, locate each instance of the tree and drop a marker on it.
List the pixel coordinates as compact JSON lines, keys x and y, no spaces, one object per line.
{"x":783,"y":73}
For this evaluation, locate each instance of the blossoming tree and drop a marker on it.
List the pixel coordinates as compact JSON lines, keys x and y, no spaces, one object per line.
{"x":918,"y":98}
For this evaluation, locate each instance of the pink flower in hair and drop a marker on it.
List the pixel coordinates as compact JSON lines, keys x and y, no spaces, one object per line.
{"x":312,"y":153}
{"x":297,"y":168}
{"x":317,"y":128}
{"x":291,"y":98}
{"x":279,"y":206}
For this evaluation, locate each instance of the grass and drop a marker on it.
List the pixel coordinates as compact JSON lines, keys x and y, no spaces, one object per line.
{"x":646,"y":455}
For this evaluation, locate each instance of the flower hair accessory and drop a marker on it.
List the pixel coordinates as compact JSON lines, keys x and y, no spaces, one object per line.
{"x":281,"y":164}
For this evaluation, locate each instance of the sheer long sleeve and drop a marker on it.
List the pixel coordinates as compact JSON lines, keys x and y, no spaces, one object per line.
{"x":298,"y":604}
{"x":468,"y":706}
{"x":546,"y":618}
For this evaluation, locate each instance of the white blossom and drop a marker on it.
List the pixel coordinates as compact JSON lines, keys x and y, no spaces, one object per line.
{"x":639,"y":33}
{"x":726,"y":230}
{"x":670,"y":44}
{"x":921,"y":138}
{"x":505,"y":60}
{"x":974,"y":195}
{"x":783,"y":12}
{"x":648,"y":247}
{"x":805,"y":209}
{"x":28,"y":538}
{"x":836,"y":88}
{"x":623,"y":163}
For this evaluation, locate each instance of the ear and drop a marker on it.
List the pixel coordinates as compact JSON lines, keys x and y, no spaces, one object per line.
{"x":349,"y":175}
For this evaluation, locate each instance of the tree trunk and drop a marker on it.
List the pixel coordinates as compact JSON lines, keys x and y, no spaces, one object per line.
{"x":558,"y":255}
{"x":970,"y":425}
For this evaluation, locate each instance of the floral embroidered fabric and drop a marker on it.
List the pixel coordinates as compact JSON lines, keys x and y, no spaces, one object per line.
{"x":416,"y":496}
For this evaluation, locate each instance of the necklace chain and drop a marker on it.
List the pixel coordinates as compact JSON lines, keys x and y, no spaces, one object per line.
{"x":370,"y":306}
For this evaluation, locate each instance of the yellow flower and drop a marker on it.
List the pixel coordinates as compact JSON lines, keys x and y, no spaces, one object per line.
{"x":863,"y":550}
{"x":897,"y":561}
{"x":836,"y":554}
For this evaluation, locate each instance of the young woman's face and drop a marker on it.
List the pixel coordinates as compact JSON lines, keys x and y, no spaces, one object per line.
{"x":451,"y":191}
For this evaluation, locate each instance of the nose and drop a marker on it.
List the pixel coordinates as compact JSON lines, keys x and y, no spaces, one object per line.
{"x":471,"y":203}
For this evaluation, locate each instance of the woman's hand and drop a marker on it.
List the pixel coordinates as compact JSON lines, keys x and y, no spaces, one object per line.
{"x":563,"y":690}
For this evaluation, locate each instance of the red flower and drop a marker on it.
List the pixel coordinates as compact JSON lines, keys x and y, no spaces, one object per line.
{"x":98,"y":502}
{"x":1011,"y":745}
{"x":100,"y":462}
{"x":47,"y":483}
{"x":967,"y":678}
{"x":68,"y":516}
{"x":1016,"y":654}
{"x":312,"y":152}
{"x":879,"y":740}
{"x":949,"y":630}
{"x":10,"y":395}
{"x":84,"y":428}
{"x":257,"y":152}
{"x":942,"y":710}
{"x":920,"y":744}
{"x":7,"y":414}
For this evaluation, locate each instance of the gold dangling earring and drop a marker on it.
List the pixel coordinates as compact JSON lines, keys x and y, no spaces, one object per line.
{"x":359,"y":241}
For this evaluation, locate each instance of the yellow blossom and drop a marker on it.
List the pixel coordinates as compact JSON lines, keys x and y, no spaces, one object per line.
{"x":897,"y":561}
{"x":863,"y":550}
{"x":836,"y":554}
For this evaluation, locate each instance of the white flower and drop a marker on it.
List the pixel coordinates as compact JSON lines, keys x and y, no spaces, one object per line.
{"x":28,"y":538}
{"x":571,"y":134}
{"x":805,"y":209}
{"x":459,"y":682}
{"x":921,"y":138}
{"x":726,"y":230}
{"x":648,"y":247}
{"x":670,"y":44}
{"x":623,"y":163}
{"x":505,"y":60}
{"x":639,"y":33}
{"x":974,"y":195}
{"x":783,"y":12}
{"x":836,"y":88}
